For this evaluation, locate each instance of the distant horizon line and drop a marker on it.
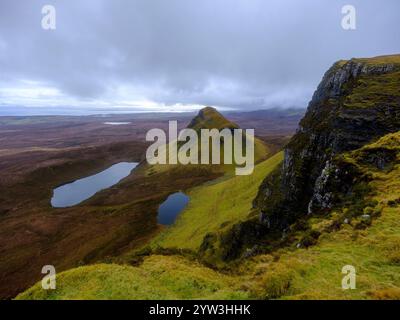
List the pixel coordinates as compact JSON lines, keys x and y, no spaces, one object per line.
{"x":30,"y":112}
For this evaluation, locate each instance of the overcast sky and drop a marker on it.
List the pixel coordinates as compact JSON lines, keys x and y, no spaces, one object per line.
{"x":152,"y":55}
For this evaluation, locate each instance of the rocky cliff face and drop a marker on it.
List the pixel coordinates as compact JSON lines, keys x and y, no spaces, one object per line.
{"x":356,"y":102}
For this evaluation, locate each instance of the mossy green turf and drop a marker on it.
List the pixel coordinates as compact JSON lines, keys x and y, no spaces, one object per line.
{"x":210,"y":118}
{"x":211,"y":205}
{"x":159,"y":277}
{"x":380,"y":60}
{"x":371,"y":91}
{"x":376,"y":89}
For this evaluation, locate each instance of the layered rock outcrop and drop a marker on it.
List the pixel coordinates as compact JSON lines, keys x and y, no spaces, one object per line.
{"x":356,"y":102}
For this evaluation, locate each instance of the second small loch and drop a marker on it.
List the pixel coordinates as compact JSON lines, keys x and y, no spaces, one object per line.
{"x":170,"y":209}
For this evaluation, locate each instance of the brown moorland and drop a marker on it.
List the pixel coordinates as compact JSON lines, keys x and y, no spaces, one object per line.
{"x":38,"y":154}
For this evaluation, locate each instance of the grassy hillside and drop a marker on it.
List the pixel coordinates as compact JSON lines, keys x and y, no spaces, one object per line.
{"x":379,"y":60}
{"x":369,"y":239}
{"x":261,"y":152}
{"x":210,"y":118}
{"x":376,"y":89}
{"x":215,"y":204}
{"x":159,"y":277}
{"x":292,"y":272}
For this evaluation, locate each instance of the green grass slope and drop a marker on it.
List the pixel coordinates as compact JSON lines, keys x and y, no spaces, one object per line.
{"x":210,"y":118}
{"x":376,"y":89}
{"x":211,"y":205}
{"x":159,"y":277}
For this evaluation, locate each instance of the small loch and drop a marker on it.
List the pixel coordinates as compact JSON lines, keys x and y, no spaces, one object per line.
{"x":117,"y":123}
{"x":171,"y":208}
{"x":80,"y":190}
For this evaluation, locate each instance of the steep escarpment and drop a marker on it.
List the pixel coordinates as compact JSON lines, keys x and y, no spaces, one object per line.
{"x":356,"y":102}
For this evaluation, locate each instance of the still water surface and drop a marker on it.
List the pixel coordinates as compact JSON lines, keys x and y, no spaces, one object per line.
{"x":171,"y":208}
{"x":80,"y":190}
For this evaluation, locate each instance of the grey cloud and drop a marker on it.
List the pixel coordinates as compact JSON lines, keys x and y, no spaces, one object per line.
{"x":229,"y":53}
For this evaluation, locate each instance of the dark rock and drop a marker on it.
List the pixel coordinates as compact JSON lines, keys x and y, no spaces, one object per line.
{"x":330,"y":127}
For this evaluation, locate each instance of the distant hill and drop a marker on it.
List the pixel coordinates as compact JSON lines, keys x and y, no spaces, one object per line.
{"x":210,"y":118}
